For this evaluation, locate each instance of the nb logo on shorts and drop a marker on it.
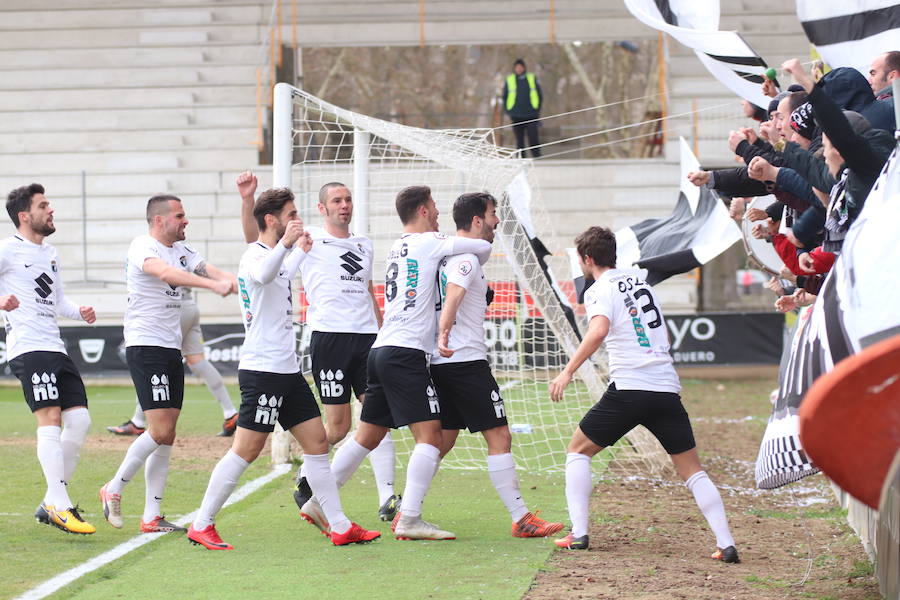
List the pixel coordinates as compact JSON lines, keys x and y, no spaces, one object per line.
{"x":433,"y":401}
{"x":498,"y":404}
{"x":159,"y":387}
{"x":44,"y":387}
{"x":330,"y":385}
{"x":267,"y":411}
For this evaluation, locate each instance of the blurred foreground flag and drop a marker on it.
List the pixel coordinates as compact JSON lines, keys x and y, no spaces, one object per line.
{"x":850,"y":33}
{"x":725,"y":54}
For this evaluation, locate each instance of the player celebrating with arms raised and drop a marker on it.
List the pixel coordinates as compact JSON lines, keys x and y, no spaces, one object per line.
{"x":643,"y":389}
{"x":29,"y":274}
{"x":462,"y":376}
{"x":272,"y":387}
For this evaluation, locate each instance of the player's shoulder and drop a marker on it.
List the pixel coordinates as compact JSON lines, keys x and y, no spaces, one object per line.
{"x":11,"y":242}
{"x":461,"y":264}
{"x":184,"y":247}
{"x":315,"y":232}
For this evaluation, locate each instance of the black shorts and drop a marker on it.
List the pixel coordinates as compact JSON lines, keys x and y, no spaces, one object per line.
{"x":49,"y":379}
{"x":158,"y":376}
{"x":620,"y":411}
{"x":399,"y":390}
{"x":470,"y":397}
{"x":339,"y":364}
{"x":270,"y":397}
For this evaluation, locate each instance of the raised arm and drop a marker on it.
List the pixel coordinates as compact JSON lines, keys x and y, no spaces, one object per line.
{"x":246,"y":185}
{"x":462,"y":245}
{"x":266,"y":269}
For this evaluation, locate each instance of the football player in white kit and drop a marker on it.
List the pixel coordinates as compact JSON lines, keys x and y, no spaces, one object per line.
{"x":344,"y":317}
{"x":195,"y":357}
{"x":159,"y":266}
{"x":643,"y":389}
{"x":399,"y":390}
{"x":470,"y":397}
{"x":34,"y":297}
{"x":272,"y":386}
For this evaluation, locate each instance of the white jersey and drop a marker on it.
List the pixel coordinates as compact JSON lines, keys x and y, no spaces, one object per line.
{"x":467,"y":333}
{"x":31,"y":272}
{"x":410,"y":286}
{"x":336,"y":275}
{"x":638,"y":341}
{"x":153,"y":315}
{"x":264,"y":279}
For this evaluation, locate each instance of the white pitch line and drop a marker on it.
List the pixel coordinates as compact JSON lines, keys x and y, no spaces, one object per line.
{"x":63,"y":579}
{"x":510,"y":384}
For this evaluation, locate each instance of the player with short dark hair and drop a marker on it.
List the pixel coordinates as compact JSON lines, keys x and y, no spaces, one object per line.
{"x":399,"y":390}
{"x":159,"y":265}
{"x":470,"y":396}
{"x":643,"y":389}
{"x":272,"y":387}
{"x":34,"y":298}
{"x":344,"y":317}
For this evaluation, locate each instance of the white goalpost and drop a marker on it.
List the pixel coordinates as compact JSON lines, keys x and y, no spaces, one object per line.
{"x":528,"y":333}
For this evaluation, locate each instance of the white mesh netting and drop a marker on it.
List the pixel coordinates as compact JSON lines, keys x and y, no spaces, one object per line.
{"x":528,"y":335}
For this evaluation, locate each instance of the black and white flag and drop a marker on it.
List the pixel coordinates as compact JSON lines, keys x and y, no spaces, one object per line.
{"x":698,"y":230}
{"x":725,"y":54}
{"x":851,"y":33}
{"x":854,"y":309}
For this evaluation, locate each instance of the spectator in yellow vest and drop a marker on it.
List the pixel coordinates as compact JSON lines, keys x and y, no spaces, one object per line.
{"x":523,"y":100}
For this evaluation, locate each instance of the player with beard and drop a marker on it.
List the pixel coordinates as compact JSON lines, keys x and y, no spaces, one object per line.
{"x":159,"y":265}
{"x":30,"y":278}
{"x":462,"y":376}
{"x":272,"y":386}
{"x":344,"y":317}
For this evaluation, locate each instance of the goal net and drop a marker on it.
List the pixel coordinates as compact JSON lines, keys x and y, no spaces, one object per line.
{"x":528,"y":333}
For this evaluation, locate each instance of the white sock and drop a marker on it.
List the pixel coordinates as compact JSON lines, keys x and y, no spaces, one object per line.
{"x":137,"y":454}
{"x":156,"y":471}
{"x":419,"y":473}
{"x":138,"y":417}
{"x":50,"y":455}
{"x":213,"y":379}
{"x":382,"y":459}
{"x":710,"y":503}
{"x":222,"y":482}
{"x":76,"y":423}
{"x":321,"y":481}
{"x":578,"y":491}
{"x":502,"y":471}
{"x":346,"y":460}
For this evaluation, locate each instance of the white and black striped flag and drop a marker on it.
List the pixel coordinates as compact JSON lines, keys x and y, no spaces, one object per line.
{"x":851,"y":34}
{"x":851,"y":313}
{"x":725,"y":54}
{"x":698,"y":230}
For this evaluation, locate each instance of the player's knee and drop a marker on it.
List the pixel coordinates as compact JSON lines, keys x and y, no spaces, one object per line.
{"x":499,"y":440}
{"x":162,"y":435}
{"x":335,"y":434}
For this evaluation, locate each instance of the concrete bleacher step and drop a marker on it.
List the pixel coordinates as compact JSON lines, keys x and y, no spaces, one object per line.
{"x":236,"y":158}
{"x":130,"y":97}
{"x":123,"y":119}
{"x":37,"y":58}
{"x":80,"y":78}
{"x":127,"y":37}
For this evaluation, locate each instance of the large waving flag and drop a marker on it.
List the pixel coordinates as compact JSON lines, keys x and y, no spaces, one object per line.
{"x":698,"y":230}
{"x":850,"y":33}
{"x":724,"y":53}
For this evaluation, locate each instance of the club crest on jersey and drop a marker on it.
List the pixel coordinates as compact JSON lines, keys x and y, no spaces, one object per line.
{"x":183,"y":261}
{"x":43,"y":387}
{"x":267,"y":409}
{"x":53,"y":266}
{"x":159,"y":387}
{"x":464,"y":268}
{"x":433,"y":403}
{"x":330,"y":385}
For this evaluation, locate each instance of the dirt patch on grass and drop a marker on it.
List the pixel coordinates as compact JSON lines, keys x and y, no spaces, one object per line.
{"x":650,"y":541}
